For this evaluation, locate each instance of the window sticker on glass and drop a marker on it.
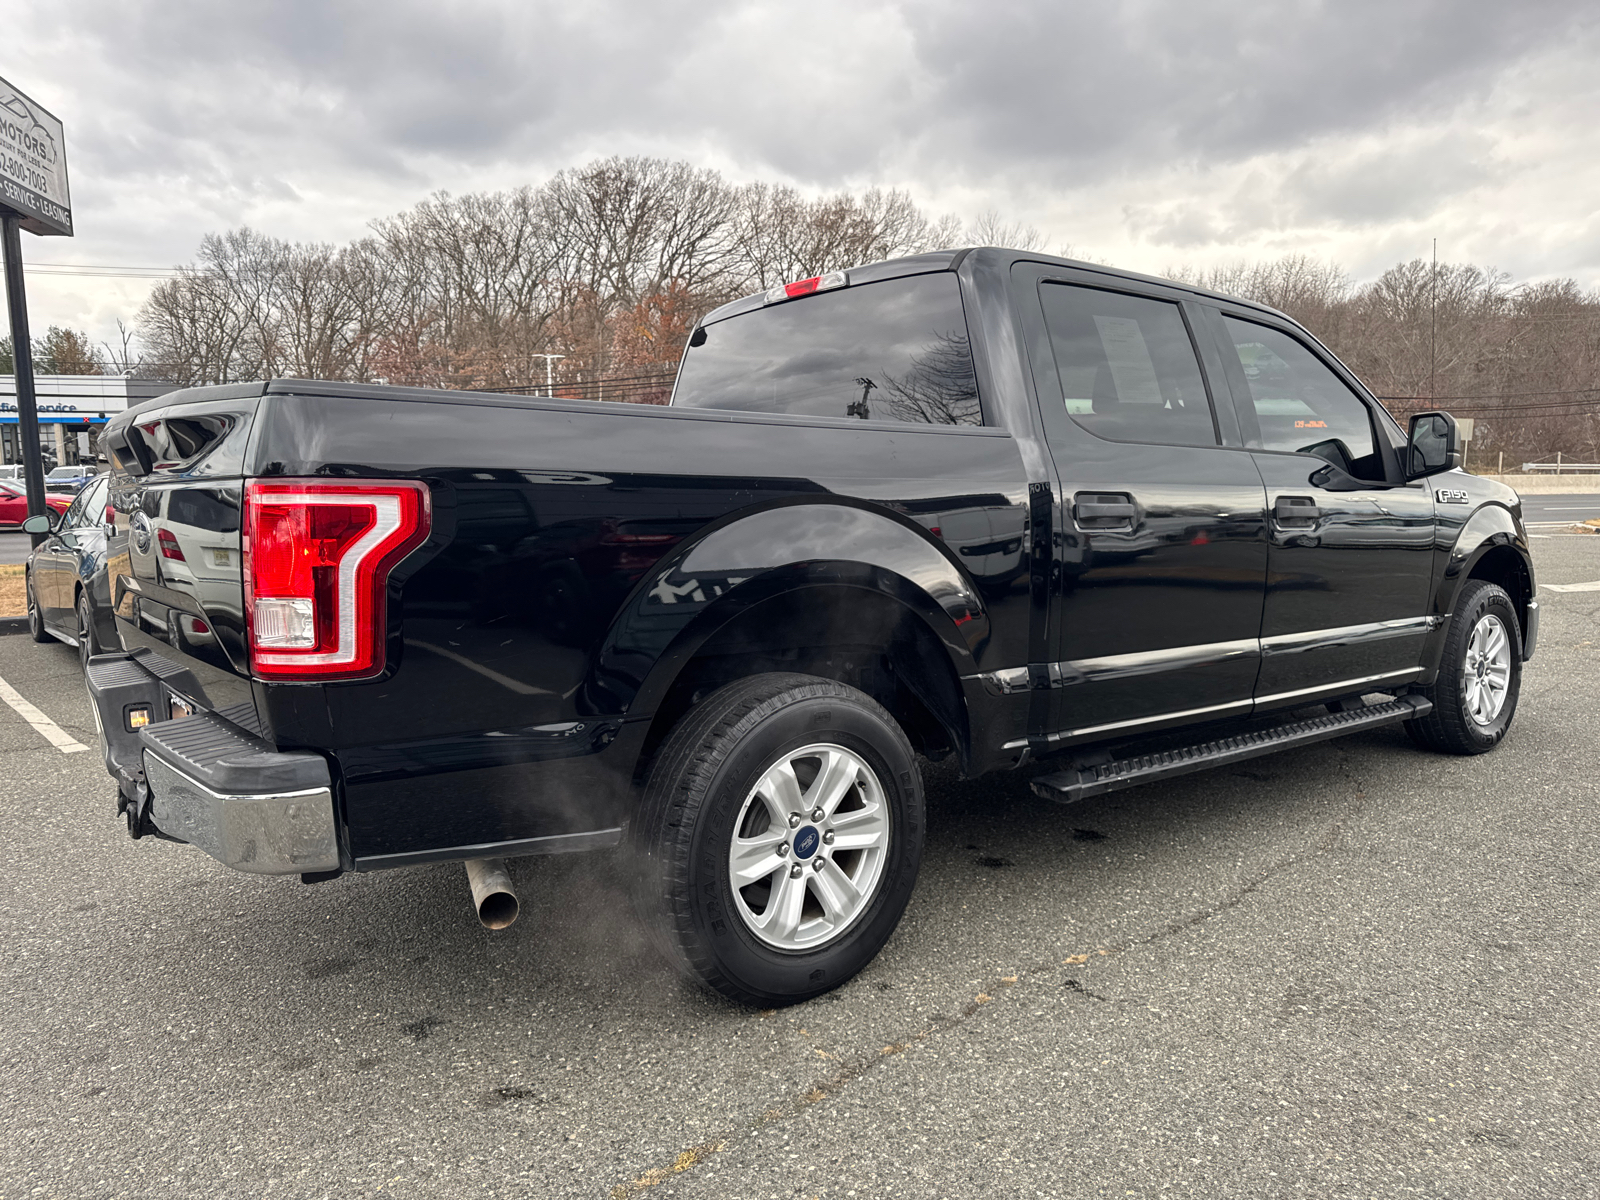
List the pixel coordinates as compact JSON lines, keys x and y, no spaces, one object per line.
{"x":1129,"y":360}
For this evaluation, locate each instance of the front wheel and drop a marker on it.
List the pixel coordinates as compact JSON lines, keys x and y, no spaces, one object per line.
{"x":778,"y":838}
{"x":1480,"y":675}
{"x":36,"y":629}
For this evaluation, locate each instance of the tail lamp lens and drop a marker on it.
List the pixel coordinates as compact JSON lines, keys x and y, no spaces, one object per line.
{"x":168,"y":541}
{"x":318,"y":557}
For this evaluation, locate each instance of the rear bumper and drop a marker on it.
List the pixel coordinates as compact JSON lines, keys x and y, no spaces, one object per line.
{"x":201,"y":780}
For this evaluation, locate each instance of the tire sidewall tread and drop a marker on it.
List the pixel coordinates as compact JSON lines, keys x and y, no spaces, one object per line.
{"x":696,"y":789}
{"x":1448,"y":728}
{"x":36,"y":626}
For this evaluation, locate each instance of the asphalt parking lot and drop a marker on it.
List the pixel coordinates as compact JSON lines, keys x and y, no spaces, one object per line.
{"x":1350,"y":970}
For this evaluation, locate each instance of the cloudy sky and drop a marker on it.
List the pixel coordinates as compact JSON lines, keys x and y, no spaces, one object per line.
{"x":1146,"y":134}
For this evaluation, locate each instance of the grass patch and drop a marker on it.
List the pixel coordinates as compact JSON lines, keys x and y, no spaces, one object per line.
{"x":13,"y":592}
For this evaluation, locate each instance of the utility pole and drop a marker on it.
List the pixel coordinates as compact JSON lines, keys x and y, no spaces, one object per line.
{"x":549,"y":377}
{"x":1433,"y":327}
{"x":859,"y":408}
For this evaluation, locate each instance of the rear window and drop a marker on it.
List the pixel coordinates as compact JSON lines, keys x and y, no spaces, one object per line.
{"x":890,"y":351}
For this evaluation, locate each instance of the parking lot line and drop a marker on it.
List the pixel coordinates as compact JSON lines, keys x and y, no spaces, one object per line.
{"x":1593,"y":586}
{"x":48,"y":729}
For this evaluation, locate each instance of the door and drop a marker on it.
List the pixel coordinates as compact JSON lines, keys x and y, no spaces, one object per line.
{"x":1350,"y":561}
{"x":1160,"y":552}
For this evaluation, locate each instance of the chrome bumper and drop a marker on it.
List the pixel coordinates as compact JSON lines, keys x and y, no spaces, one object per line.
{"x":203,"y":780}
{"x":285,"y":833}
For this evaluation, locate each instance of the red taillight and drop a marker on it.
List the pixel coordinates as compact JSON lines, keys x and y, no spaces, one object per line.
{"x":804,"y":287}
{"x":317,"y":561}
{"x":169,"y":545}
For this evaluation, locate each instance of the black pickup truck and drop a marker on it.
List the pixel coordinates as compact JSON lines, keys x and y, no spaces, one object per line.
{"x":982,"y":503}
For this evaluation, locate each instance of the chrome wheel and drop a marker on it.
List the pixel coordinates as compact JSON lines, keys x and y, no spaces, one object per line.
{"x":809,"y":847}
{"x":1486,"y":671}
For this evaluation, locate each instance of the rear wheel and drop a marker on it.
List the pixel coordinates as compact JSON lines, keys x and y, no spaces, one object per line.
{"x":778,"y":838}
{"x":35,"y":616}
{"x":1480,"y":675}
{"x":87,"y":646}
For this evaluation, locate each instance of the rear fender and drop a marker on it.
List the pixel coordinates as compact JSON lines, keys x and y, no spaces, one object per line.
{"x":687,"y":599}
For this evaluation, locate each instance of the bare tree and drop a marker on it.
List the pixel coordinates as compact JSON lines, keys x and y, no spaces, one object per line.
{"x":991,"y":229}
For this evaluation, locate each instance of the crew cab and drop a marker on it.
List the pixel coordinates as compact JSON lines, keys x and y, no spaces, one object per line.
{"x":1027,"y":512}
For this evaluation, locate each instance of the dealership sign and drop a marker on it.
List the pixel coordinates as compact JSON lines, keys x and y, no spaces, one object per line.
{"x":33,"y":165}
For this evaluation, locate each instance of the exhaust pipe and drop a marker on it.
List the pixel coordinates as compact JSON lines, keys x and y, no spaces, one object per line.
{"x":492,"y":893}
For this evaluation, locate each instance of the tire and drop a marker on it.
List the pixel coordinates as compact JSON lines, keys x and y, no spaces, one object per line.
{"x":1480,"y":675}
{"x":87,"y":643}
{"x":733,"y":766}
{"x":36,"y":629}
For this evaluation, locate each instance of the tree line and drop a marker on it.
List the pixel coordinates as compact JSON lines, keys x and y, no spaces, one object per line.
{"x":595,"y":278}
{"x":605,"y":267}
{"x":1521,"y":360}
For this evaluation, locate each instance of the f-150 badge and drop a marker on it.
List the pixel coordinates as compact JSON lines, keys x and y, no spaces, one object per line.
{"x":1452,"y":496}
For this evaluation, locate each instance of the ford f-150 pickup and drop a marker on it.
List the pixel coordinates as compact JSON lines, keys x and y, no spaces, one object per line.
{"x":1017,"y":510}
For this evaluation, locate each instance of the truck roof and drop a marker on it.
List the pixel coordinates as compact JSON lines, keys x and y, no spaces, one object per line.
{"x":950,"y":260}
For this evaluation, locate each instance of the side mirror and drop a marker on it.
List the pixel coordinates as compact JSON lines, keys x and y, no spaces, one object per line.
{"x":40,"y":523}
{"x":1434,"y":445}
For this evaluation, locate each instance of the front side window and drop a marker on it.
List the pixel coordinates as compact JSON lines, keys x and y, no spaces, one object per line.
{"x":1301,"y":406}
{"x":1128,"y":369}
{"x":75,"y":510}
{"x":90,"y":506}
{"x":896,"y":350}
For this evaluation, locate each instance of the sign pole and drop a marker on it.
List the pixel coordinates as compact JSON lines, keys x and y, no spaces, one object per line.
{"x":22,"y":356}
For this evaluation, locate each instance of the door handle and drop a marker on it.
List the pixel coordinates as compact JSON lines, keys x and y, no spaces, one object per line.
{"x":1295,"y":508}
{"x":1099,"y":510}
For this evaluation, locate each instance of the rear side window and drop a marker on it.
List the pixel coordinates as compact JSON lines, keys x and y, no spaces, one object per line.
{"x":1301,"y":406}
{"x":1128,"y":369}
{"x":890,"y":351}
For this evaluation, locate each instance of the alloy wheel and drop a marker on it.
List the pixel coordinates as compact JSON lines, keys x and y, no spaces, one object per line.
{"x":809,"y":847}
{"x":1486,"y":671}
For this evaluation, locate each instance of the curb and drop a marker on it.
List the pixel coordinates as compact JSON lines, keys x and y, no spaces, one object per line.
{"x":13,"y":625}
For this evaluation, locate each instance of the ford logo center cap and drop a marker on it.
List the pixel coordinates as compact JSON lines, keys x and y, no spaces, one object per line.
{"x":805,"y":842}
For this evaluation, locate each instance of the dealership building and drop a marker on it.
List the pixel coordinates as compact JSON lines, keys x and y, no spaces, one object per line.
{"x":66,"y":404}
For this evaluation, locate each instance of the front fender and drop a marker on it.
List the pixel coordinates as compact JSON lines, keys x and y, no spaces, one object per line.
{"x":687,"y":598}
{"x":1489,"y":529}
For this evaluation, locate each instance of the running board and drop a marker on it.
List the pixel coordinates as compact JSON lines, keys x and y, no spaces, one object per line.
{"x":1081,"y":782}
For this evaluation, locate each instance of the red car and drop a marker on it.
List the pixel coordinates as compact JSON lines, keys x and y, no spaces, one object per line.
{"x":14,"y":503}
